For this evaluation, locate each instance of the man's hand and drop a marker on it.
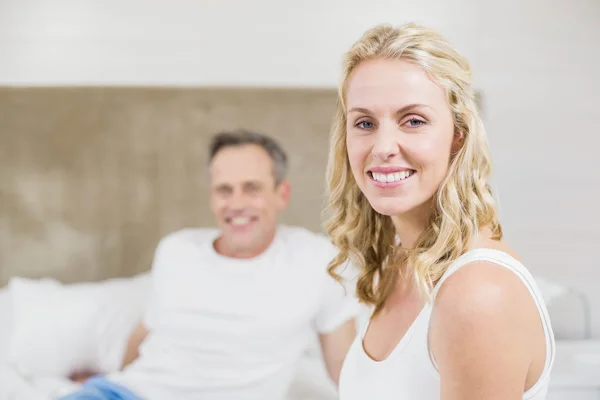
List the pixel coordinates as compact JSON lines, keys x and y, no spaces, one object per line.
{"x":81,"y":376}
{"x":335,"y":346}
{"x":135,"y":339}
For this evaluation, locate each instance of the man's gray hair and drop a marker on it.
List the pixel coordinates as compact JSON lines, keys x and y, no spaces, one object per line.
{"x":245,"y":137}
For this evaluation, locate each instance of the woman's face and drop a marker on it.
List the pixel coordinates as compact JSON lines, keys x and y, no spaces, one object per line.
{"x":399,"y":134}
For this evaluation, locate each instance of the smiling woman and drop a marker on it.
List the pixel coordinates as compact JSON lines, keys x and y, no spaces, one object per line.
{"x":456,"y":315}
{"x":424,"y":127}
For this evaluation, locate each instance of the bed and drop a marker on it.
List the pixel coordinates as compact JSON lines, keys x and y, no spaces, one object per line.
{"x":84,"y":307}
{"x":89,"y":326}
{"x":576,"y":373}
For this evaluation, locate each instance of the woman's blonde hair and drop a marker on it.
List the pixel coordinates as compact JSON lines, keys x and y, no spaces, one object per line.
{"x":463,"y":203}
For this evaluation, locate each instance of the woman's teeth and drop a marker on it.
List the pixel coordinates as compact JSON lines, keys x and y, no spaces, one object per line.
{"x":393,"y":177}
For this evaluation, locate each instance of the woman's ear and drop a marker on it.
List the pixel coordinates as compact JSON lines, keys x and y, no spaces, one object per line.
{"x":457,"y":142}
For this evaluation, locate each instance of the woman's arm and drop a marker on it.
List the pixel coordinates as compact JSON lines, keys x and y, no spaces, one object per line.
{"x":484,"y":331}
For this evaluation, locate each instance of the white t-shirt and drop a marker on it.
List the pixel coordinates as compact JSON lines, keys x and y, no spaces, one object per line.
{"x":223,"y":328}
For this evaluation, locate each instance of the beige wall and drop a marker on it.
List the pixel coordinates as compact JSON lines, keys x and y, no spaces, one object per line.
{"x":92,"y":178}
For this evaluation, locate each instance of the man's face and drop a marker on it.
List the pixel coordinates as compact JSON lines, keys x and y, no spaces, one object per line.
{"x":245,"y":199}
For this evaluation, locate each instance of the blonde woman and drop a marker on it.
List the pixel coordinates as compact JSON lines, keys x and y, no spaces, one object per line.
{"x":456,"y":316}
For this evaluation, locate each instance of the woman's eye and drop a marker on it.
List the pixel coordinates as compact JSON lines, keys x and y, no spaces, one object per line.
{"x":414,"y":122}
{"x":365,"y":125}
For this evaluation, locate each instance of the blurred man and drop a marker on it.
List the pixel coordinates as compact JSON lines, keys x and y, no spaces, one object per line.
{"x":234,"y":308}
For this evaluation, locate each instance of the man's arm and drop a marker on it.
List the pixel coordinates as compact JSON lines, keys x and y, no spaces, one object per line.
{"x":336,"y":318}
{"x":133,"y":344}
{"x":163,"y":256}
{"x":335,"y":346}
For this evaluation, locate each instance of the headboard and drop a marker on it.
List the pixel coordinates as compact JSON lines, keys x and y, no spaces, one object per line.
{"x":92,"y":178}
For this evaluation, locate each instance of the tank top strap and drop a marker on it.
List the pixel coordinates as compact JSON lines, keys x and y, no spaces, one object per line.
{"x":497,"y":257}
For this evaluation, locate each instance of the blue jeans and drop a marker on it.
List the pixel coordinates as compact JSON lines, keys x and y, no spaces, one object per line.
{"x":100,"y":388}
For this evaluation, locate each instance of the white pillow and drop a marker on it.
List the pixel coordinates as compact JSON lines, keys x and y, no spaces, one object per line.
{"x":550,"y":290}
{"x":59,"y":329}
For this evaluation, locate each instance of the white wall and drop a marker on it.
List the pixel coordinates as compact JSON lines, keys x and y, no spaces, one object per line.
{"x":535,"y":60}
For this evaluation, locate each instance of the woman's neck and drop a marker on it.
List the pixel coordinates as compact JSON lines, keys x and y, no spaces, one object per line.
{"x":409,"y":226}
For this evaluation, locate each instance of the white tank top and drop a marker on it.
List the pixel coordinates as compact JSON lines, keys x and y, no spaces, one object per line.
{"x":409,"y":371}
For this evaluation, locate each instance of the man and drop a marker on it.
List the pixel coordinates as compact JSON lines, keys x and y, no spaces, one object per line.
{"x":234,"y":308}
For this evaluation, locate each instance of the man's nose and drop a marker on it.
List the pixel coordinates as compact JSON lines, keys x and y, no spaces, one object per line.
{"x":238,"y":201}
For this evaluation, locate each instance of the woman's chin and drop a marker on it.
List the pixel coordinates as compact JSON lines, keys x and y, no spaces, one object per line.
{"x":389,"y":206}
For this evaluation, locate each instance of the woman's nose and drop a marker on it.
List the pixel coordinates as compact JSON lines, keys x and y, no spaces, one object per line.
{"x":386,"y":143}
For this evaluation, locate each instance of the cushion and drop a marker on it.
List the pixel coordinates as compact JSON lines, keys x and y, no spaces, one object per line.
{"x":60,"y":329}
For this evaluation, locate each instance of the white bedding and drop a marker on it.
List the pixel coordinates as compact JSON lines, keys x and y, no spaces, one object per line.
{"x":12,"y":385}
{"x":577,"y":365}
{"x":16,"y":387}
{"x":311,"y":382}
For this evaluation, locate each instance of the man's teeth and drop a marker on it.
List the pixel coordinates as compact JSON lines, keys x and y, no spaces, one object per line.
{"x":240,"y":220}
{"x":396,"y":176}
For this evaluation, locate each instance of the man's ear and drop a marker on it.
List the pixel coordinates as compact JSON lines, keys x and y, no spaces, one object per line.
{"x":284,"y":191}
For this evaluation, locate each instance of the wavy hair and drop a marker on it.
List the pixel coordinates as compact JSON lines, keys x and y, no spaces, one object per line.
{"x":463,"y":203}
